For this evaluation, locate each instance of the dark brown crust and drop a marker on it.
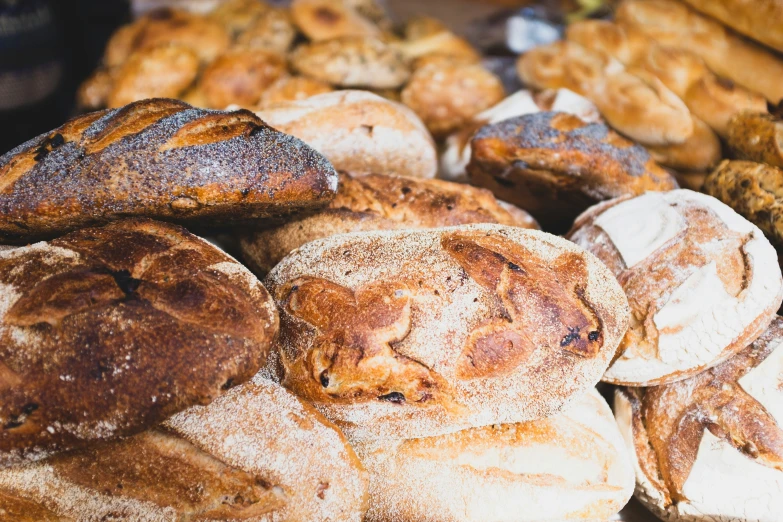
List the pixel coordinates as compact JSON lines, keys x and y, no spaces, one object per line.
{"x":135,"y":161}
{"x":555,"y":165}
{"x":379,"y":202}
{"x":165,"y":329}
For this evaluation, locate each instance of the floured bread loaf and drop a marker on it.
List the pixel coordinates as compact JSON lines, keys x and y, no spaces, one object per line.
{"x":712,"y":445}
{"x":378,"y":202}
{"x":107,"y":331}
{"x":162,"y":159}
{"x":416,"y":333}
{"x":570,"y":467}
{"x":359,"y":133}
{"x":701,"y":280}
{"x":555,"y":165}
{"x":257,"y":453}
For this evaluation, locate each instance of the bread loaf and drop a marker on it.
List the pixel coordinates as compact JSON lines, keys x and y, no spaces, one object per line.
{"x":236,"y":16}
{"x":359,"y":133}
{"x":555,"y":165}
{"x":158,"y":158}
{"x":758,"y":19}
{"x":107,"y":331}
{"x":240,"y":76}
{"x":378,"y":202}
{"x":415,"y":333}
{"x":272,"y":31}
{"x":702,"y":281}
{"x":757,"y":137}
{"x":329,"y":19}
{"x":257,"y":454}
{"x":292,"y":88}
{"x":570,"y":467}
{"x":712,"y":443}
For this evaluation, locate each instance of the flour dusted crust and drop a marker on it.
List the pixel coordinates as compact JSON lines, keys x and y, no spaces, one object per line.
{"x":378,"y":202}
{"x":359,"y":132}
{"x":569,"y":467}
{"x":107,"y":331}
{"x":415,"y":333}
{"x":257,"y":453}
{"x":701,"y":281}
{"x":712,"y":444}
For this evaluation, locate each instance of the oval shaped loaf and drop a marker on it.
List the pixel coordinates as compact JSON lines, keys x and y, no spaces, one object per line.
{"x":415,"y":333}
{"x":107,"y":331}
{"x":378,"y":202}
{"x":712,"y":443}
{"x":257,"y":453}
{"x":570,"y":467}
{"x":701,"y":280}
{"x":162,"y":159}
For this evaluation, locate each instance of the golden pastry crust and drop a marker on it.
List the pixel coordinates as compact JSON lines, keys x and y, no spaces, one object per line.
{"x":240,"y":77}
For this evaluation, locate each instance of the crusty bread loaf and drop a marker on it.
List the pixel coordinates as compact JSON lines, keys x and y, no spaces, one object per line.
{"x":240,"y":76}
{"x":237,"y":15}
{"x":701,"y":151}
{"x":570,"y":467}
{"x":701,"y":280}
{"x":673,"y":24}
{"x":107,"y":331}
{"x":415,"y":333}
{"x":292,"y":88}
{"x":328,"y":19}
{"x":378,"y":202}
{"x":359,"y":133}
{"x":273,"y":30}
{"x":758,"y":137}
{"x":257,"y":454}
{"x":555,"y":165}
{"x":759,"y":19}
{"x":712,"y":443}
{"x":158,"y":158}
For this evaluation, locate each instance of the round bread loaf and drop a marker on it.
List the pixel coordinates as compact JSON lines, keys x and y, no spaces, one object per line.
{"x":378,"y":202}
{"x":702,"y":281}
{"x":240,"y":76}
{"x":329,"y":19}
{"x":359,"y":132}
{"x":757,"y":136}
{"x":272,"y":31}
{"x":292,"y":88}
{"x":417,"y":333}
{"x":570,"y":467}
{"x":107,"y":331}
{"x":712,"y":445}
{"x":257,"y":454}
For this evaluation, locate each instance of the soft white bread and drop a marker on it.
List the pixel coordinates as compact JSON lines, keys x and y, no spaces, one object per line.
{"x":712,"y":444}
{"x":673,"y":24}
{"x":701,"y":280}
{"x":570,"y":467}
{"x":359,"y":133}
{"x":257,"y":454}
{"x":421,"y":332}
{"x":758,"y":19}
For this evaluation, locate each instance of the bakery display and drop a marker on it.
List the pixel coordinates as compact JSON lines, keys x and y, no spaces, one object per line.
{"x":555,"y":165}
{"x":378,"y":202}
{"x":712,"y":443}
{"x":702,"y":282}
{"x":105,"y":332}
{"x":162,"y":159}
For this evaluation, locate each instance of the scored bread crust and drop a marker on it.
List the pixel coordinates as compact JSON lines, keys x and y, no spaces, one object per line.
{"x":712,"y":443}
{"x":701,"y":280}
{"x":570,"y":467}
{"x":105,"y":332}
{"x":416,"y":333}
{"x":162,"y":159}
{"x":378,"y":202}
{"x":257,"y":454}
{"x":359,"y":132}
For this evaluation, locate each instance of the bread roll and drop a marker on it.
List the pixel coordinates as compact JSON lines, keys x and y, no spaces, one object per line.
{"x":759,"y":19}
{"x":754,"y":190}
{"x":757,"y":137}
{"x":158,"y":158}
{"x":94,"y":92}
{"x":107,"y":331}
{"x":712,"y":444}
{"x":555,"y":165}
{"x":702,"y":281}
{"x":272,"y":31}
{"x":570,"y":467}
{"x":378,"y":202}
{"x":673,"y":24}
{"x":416,"y":333}
{"x":257,"y":454}
{"x":240,"y":76}
{"x":360,"y":133}
{"x":329,"y":19}
{"x":292,"y":88}
{"x":700,"y":153}
{"x":352,"y":61}
{"x":238,"y":15}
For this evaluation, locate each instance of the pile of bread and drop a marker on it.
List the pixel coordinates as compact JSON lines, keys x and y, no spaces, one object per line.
{"x":394,"y":347}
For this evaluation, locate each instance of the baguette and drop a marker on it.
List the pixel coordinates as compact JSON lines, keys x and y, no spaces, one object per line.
{"x":758,"y":19}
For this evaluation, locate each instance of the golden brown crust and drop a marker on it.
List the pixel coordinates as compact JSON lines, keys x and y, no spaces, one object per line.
{"x":699,"y":153}
{"x":757,"y":137}
{"x":555,"y":165}
{"x":272,"y":31}
{"x":170,"y":321}
{"x":329,"y":19}
{"x":237,"y":16}
{"x":95,"y":90}
{"x":101,"y":166}
{"x":292,"y":88}
{"x":378,"y":202}
{"x":240,"y":76}
{"x":755,"y":18}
